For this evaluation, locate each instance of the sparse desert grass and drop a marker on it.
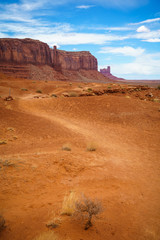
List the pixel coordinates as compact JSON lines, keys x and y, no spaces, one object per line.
{"x":24,"y":89}
{"x":68,"y":206}
{"x":91,"y":147}
{"x":66,"y":147}
{"x":87,"y":208}
{"x":54,"y":222}
{"x":11,"y":129}
{"x":2,"y":223}
{"x":6,"y":163}
{"x":89,"y":89}
{"x":46,"y":236}
{"x":158,"y":87}
{"x":53,"y":95}
{"x":2,"y":142}
{"x":156,"y":100}
{"x":73,"y":94}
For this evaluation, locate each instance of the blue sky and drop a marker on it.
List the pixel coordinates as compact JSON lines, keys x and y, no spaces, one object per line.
{"x":124,"y":34}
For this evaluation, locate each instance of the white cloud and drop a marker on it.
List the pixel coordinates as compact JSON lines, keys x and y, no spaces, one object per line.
{"x":143,"y":29}
{"x":144,"y":66}
{"x":147,"y":35}
{"x":85,"y":6}
{"x":153,"y":40}
{"x":146,"y":21}
{"x":73,"y":38}
{"x":111,"y":28}
{"x":126,"y":51}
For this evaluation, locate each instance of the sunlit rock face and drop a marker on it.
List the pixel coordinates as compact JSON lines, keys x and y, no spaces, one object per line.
{"x":73,"y":60}
{"x":24,"y":51}
{"x":28,"y":51}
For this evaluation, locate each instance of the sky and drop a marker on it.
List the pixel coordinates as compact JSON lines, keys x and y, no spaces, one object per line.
{"x":123,"y":34}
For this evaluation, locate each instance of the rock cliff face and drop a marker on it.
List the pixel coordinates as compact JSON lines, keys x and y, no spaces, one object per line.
{"x":24,"y":51}
{"x":32,"y":59}
{"x":63,"y":60}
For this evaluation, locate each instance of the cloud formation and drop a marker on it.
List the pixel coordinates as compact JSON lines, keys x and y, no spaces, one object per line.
{"x":143,"y":29}
{"x":142,"y":66}
{"x":84,"y":6}
{"x":126,"y":51}
{"x":146,"y":21}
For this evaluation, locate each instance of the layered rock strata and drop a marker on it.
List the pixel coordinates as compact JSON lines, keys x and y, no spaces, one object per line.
{"x":22,"y":51}
{"x":28,"y":51}
{"x":63,"y":60}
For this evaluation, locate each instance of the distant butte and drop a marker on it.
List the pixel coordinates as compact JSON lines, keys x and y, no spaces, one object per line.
{"x":107,"y":73}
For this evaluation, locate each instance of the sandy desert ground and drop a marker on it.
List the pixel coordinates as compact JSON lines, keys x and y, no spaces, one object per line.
{"x":36,"y":173}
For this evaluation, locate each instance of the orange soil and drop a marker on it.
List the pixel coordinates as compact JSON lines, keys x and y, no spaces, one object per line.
{"x":123,"y":172}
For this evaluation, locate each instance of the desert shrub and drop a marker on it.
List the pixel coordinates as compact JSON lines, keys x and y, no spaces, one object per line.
{"x":66,"y":147}
{"x":6,"y":163}
{"x":87,"y":208}
{"x":24,"y":89}
{"x":54,"y":222}
{"x":158,"y":87}
{"x":91,"y":147}
{"x":39,"y":91}
{"x":90,"y":90}
{"x":46,"y":236}
{"x":2,"y":142}
{"x":68,"y":206}
{"x":73,"y":94}
{"x":53,"y":95}
{"x":156,"y":100}
{"x":2,"y":223}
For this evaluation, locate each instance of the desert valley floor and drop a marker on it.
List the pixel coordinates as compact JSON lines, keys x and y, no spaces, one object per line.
{"x":36,"y":173}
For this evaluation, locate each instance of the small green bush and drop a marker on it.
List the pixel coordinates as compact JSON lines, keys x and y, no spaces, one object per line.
{"x":90,"y":90}
{"x":24,"y":89}
{"x":91,"y":147}
{"x":53,"y":95}
{"x":66,"y":147}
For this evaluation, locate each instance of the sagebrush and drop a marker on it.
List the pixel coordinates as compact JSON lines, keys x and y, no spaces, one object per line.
{"x":87,"y":208}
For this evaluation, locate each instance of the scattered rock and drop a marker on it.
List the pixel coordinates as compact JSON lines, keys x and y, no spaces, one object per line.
{"x":149,"y":95}
{"x":9,"y":98}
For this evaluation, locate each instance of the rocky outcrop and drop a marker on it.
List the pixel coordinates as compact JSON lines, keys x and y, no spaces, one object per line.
{"x":22,"y":51}
{"x":33,"y":59}
{"x":63,"y":60}
{"x":107,"y":73}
